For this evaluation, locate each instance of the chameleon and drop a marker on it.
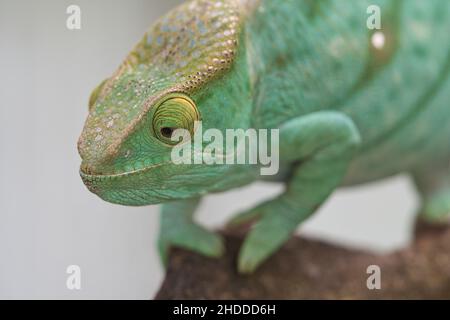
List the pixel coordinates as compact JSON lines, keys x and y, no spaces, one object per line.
{"x":348,"y":111}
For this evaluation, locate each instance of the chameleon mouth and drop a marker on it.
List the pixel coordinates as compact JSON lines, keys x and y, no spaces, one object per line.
{"x":88,"y":174}
{"x":103,"y":184}
{"x":117,"y":188}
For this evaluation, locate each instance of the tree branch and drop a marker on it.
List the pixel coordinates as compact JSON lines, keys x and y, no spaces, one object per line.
{"x":308,"y":269}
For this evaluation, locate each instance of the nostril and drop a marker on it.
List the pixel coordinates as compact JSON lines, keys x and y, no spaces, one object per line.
{"x":85,"y":169}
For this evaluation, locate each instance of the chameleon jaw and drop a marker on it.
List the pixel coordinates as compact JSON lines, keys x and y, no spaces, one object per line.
{"x":112,"y":187}
{"x":88,"y":175}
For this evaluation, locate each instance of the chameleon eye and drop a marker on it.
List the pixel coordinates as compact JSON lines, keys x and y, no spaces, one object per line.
{"x":177,"y":112}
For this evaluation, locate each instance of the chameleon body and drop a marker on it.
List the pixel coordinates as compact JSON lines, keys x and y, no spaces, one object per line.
{"x":347,"y":111}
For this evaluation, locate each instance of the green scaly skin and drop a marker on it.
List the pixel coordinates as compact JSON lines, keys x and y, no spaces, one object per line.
{"x":347,"y":112}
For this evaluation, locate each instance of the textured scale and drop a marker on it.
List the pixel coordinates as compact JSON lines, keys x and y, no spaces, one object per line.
{"x":194,"y":43}
{"x":327,"y":62}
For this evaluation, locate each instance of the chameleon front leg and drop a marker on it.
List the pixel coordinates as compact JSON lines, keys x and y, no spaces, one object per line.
{"x":320,"y":147}
{"x":433,"y":184}
{"x":178,"y":229}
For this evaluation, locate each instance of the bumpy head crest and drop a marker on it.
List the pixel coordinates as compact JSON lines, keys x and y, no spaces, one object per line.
{"x":191,"y":45}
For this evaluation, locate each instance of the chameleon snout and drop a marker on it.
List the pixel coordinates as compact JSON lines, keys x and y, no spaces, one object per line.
{"x":132,"y":188}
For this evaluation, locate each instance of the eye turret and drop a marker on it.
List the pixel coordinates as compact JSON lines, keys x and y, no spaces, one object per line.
{"x":176,"y":112}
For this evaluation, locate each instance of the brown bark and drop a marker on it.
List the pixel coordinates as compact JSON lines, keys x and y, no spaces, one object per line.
{"x":308,"y":269}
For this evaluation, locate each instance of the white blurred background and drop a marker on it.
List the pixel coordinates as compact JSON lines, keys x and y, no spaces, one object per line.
{"x":48,"y":219}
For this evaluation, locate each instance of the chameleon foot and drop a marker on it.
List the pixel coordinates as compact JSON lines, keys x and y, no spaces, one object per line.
{"x":434,"y":186}
{"x":276,"y":220}
{"x":179,"y":230}
{"x":192,"y":237}
{"x":436,"y":208}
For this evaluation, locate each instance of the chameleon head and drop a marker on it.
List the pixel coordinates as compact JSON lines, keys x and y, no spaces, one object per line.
{"x":182,"y":71}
